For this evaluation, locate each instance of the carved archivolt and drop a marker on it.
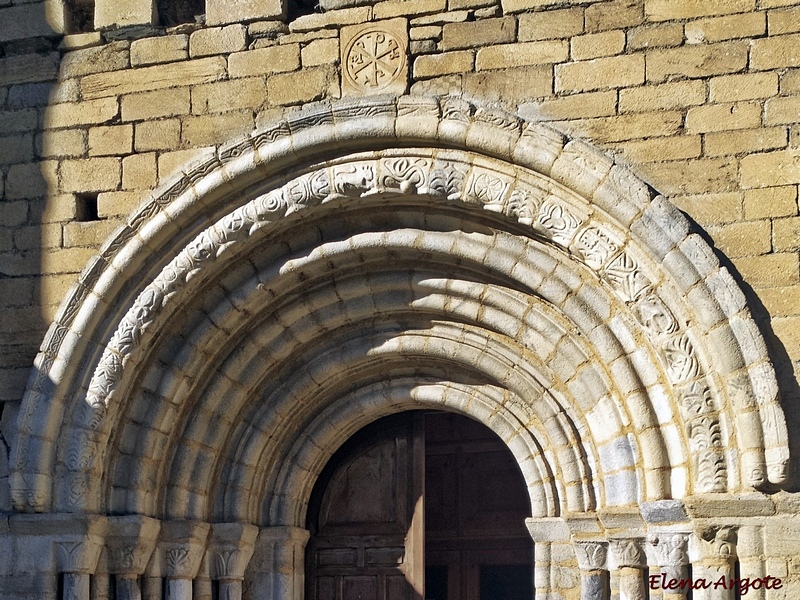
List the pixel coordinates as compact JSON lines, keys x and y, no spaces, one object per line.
{"x":635,"y":248}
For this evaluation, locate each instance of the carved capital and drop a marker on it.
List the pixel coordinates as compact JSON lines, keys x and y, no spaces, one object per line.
{"x":182,"y":547}
{"x":626,"y":552}
{"x":130,"y":543}
{"x":718,"y":544}
{"x":591,"y":554}
{"x":78,"y":543}
{"x":670,"y":548}
{"x":77,"y":556}
{"x":230,"y":549}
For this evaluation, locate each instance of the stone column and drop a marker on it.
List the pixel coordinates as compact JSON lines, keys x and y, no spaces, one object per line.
{"x":78,"y":546}
{"x":628,"y":559}
{"x":102,"y":579}
{"x":277,"y":569}
{"x":750,"y":552}
{"x":591,"y":556}
{"x":202,"y":588}
{"x":551,"y":539}
{"x":670,"y":549}
{"x":229,"y":552}
{"x":717,"y":548}
{"x":101,"y":586}
{"x":130,"y":542}
{"x":151,"y":588}
{"x":181,"y":551}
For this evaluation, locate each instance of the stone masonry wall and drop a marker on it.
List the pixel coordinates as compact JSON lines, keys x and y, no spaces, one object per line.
{"x":700,"y":98}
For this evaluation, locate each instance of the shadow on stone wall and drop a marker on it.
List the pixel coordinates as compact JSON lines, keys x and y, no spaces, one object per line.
{"x":29,"y":63}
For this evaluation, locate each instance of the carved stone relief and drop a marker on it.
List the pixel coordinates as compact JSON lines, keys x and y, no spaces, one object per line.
{"x":670,"y":548}
{"x":499,"y":189}
{"x":591,"y":555}
{"x":718,"y":543}
{"x":374,"y":58}
{"x":514,"y":191}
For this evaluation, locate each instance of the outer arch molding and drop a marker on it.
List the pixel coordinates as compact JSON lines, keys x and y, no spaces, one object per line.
{"x":689,"y":308}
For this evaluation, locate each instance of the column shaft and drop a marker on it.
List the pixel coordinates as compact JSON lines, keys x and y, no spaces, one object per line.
{"x":678,"y":573}
{"x":202,"y":588}
{"x":128,"y":588}
{"x":101,"y":586}
{"x":230,"y":590}
{"x":631,"y":584}
{"x":153,"y":588}
{"x":542,"y":568}
{"x":76,"y":586}
{"x":179,"y":589}
{"x":714,"y":574}
{"x":594,"y":585}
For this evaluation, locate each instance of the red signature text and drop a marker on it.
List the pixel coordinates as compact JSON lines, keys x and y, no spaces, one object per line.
{"x":742,"y":586}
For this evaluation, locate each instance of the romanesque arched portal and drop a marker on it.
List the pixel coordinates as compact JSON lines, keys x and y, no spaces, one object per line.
{"x":364,"y":258}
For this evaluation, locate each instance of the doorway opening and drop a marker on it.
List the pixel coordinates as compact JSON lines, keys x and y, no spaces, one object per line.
{"x":420,"y":505}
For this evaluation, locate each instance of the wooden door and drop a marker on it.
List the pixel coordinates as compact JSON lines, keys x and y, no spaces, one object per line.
{"x":477,"y":546}
{"x":366,"y":516}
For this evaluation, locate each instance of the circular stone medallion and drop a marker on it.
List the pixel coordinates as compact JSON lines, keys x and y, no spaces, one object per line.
{"x":374,"y":59}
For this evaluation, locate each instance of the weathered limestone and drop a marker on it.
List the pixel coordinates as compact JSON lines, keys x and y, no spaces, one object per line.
{"x":517,"y":55}
{"x":274,"y":59}
{"x":231,"y":546}
{"x":25,"y":21}
{"x":137,"y":173}
{"x":109,"y":14}
{"x":149,"y":51}
{"x":696,"y":61}
{"x":221,"y":12}
{"x":273,"y":567}
{"x":180,"y":551}
{"x":373,"y":58}
{"x":218,"y":40}
{"x":130,"y":542}
{"x":620,"y":71}
{"x":194,"y":72}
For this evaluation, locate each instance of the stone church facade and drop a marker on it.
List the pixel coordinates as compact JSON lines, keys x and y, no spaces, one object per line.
{"x":233,"y":233}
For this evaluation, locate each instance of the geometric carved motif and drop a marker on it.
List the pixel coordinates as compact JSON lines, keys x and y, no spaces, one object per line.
{"x":626,"y":277}
{"x":374,"y":58}
{"x":595,"y":246}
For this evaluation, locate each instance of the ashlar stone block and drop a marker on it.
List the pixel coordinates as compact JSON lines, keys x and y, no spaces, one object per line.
{"x":337,"y":4}
{"x":155,"y":50}
{"x":222,"y":12}
{"x":111,"y":14}
{"x":25,"y":20}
